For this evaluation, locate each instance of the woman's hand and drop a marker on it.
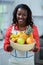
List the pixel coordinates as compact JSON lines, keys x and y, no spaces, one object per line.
{"x":9,"y":48}
{"x":35,"y":49}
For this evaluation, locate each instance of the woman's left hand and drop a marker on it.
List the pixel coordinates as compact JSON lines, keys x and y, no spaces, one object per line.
{"x":35,"y":49}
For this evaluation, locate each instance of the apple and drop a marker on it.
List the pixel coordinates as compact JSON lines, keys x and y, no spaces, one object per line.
{"x":21,"y":40}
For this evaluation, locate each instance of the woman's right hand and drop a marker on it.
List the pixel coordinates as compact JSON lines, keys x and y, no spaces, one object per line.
{"x":9,"y":48}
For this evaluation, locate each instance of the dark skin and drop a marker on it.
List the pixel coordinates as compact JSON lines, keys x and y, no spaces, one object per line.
{"x":9,"y":48}
{"x":21,"y":18}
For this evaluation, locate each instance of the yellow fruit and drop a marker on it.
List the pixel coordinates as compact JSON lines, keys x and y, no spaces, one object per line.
{"x":31,"y":35}
{"x":13,"y":35}
{"x":19,"y":33}
{"x":12,"y":39}
{"x":25,"y":36}
{"x":30,"y":40}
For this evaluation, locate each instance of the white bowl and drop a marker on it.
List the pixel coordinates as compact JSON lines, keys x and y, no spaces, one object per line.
{"x":25,"y":47}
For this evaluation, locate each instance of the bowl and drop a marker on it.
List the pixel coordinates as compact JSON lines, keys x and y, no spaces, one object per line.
{"x":24,"y":47}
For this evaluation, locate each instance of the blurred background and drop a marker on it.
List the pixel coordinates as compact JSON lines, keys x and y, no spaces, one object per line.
{"x":6,"y":14}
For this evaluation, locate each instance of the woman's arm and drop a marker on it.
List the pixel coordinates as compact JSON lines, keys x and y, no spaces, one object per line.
{"x":36,"y":36}
{"x":7,"y":46}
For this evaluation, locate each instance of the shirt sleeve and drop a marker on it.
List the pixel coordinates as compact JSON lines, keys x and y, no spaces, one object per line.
{"x":7,"y":37}
{"x":36,"y":36}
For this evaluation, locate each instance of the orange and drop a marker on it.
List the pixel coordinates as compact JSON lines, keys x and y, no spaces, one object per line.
{"x":31,"y":35}
{"x":30,"y":40}
{"x":25,"y":36}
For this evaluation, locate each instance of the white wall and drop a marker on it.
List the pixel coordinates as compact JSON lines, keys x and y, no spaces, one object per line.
{"x":35,"y":5}
{"x":38,"y":20}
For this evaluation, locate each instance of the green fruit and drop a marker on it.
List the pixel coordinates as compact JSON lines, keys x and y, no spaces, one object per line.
{"x":21,"y":40}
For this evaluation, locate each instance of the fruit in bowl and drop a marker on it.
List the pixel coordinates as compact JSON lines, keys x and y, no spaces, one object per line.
{"x":20,"y":40}
{"x":24,"y":40}
{"x":23,"y":37}
{"x":30,"y":40}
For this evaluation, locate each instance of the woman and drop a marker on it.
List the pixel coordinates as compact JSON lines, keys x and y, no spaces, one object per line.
{"x":22,"y":18}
